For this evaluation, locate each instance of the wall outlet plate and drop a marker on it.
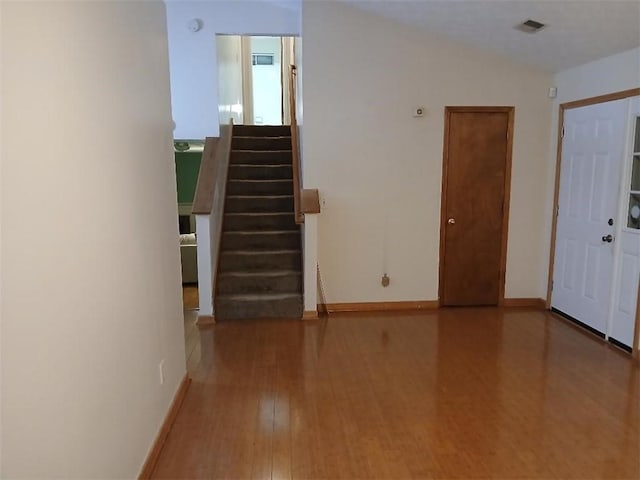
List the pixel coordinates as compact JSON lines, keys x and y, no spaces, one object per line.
{"x":161,"y":372}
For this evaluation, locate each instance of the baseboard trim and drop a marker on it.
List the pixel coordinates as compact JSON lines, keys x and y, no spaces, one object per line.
{"x":381,"y":306}
{"x":154,"y":453}
{"x":310,"y":315}
{"x":537,"y":303}
{"x":205,"y":320}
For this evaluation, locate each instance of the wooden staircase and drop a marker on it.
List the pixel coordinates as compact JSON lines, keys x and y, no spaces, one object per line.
{"x":260,"y":266}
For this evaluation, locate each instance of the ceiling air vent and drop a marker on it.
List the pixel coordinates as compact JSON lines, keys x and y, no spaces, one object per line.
{"x":530,"y":26}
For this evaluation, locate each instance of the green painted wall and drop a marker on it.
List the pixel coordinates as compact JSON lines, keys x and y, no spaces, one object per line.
{"x":187,"y":168}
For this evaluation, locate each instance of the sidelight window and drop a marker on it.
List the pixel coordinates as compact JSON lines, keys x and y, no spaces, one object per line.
{"x":633,"y":217}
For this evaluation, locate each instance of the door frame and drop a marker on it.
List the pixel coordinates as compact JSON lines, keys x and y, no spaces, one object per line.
{"x":448,"y":111}
{"x":610,"y":97}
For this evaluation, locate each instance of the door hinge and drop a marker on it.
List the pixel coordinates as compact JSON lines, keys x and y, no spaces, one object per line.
{"x":552,"y":285}
{"x":557,"y":210}
{"x":562,"y":133}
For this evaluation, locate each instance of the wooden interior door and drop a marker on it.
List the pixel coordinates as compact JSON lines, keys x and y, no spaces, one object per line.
{"x":475,"y":201}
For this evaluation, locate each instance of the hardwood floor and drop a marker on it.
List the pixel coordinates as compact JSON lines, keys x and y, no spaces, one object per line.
{"x":449,"y":394}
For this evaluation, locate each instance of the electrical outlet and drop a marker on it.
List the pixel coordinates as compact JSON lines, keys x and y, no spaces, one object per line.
{"x":161,"y":372}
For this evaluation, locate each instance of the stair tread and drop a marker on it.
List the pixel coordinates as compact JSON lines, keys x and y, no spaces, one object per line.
{"x":265,"y":273}
{"x":258,"y":252}
{"x":259,"y":214}
{"x":262,"y":165}
{"x":249,"y":150}
{"x":258,"y":197}
{"x":260,"y":232}
{"x":274,"y":137}
{"x":258,"y":296}
{"x":261,"y":180}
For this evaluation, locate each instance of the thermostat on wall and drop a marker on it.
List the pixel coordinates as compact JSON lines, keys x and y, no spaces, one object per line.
{"x":418,"y":112}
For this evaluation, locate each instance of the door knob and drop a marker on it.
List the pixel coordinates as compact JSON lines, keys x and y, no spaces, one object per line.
{"x":451,"y":221}
{"x":607,"y":238}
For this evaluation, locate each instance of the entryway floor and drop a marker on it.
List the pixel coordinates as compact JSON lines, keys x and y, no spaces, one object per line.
{"x":454,"y":393}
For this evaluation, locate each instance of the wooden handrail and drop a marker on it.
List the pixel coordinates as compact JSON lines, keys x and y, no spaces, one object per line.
{"x":212,"y":178}
{"x":295,"y":147}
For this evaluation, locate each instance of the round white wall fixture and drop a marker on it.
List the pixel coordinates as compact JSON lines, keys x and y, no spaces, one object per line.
{"x":195,"y":25}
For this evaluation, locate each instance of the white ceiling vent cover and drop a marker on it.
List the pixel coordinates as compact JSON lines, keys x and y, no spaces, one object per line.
{"x":530,"y":26}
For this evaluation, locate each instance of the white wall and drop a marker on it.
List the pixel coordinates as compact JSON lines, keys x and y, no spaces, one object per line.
{"x":193,"y":55}
{"x":229,"y":50}
{"x":380,"y":170}
{"x":610,"y":74}
{"x":1,"y":163}
{"x":310,"y":227}
{"x":206,"y":256}
{"x":91,"y":264}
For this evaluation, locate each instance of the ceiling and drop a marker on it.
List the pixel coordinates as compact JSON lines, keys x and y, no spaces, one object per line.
{"x":577,"y":32}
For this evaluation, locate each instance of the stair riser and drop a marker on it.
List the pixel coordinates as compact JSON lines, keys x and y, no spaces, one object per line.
{"x":259,"y":172}
{"x":235,"y":310}
{"x":261,"y":130}
{"x":280,"y":241}
{"x":260,"y":263}
{"x":258,"y":205}
{"x":261,"y":143}
{"x":261,"y":158}
{"x":236,"y":285}
{"x":259,"y":188}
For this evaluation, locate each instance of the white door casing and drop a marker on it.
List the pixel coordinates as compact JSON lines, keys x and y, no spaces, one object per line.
{"x":590,"y":181}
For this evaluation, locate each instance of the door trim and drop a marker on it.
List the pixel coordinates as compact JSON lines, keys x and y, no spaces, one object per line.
{"x":635,"y":351}
{"x":510,"y":111}
{"x":610,"y":97}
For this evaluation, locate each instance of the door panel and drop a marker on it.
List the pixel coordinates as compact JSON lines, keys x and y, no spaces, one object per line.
{"x":592,"y":154}
{"x":476,"y":171}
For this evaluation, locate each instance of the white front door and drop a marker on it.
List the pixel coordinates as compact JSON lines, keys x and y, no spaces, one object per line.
{"x":591,"y":167}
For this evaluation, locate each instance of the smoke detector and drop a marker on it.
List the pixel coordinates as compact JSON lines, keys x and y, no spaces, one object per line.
{"x":530,"y":26}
